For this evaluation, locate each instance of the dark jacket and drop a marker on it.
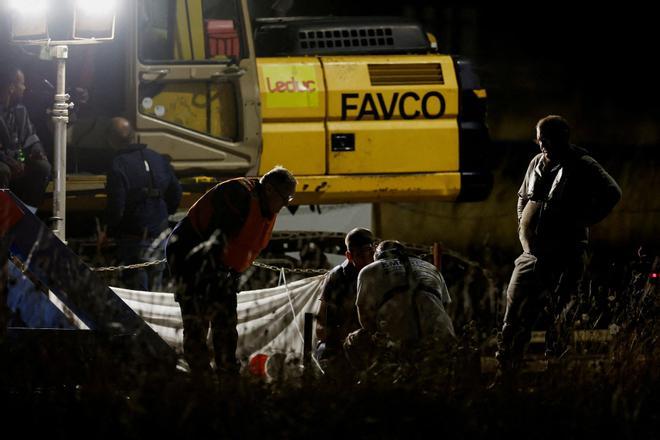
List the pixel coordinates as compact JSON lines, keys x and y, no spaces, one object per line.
{"x":142,"y":191}
{"x":228,"y":207}
{"x":566,"y":200}
{"x":338,"y":314}
{"x":17,"y":132}
{"x":225,"y":215}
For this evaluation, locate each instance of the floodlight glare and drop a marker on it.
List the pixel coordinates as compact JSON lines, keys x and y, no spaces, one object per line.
{"x":28,"y":20}
{"x":96,"y":7}
{"x":31,"y":7}
{"x":94,"y":20}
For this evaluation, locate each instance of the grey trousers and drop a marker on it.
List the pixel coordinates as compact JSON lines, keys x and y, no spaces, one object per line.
{"x":549,"y":283}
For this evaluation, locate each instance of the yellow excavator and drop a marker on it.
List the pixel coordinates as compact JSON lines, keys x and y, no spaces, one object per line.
{"x":360,"y":109}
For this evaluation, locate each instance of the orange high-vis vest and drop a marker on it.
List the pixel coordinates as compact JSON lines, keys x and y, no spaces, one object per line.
{"x":241,"y":250}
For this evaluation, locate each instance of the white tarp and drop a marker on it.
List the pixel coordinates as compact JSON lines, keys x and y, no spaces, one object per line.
{"x":265,"y":316}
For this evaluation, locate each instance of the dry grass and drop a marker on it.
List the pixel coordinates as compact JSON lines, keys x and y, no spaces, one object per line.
{"x":613,"y":395}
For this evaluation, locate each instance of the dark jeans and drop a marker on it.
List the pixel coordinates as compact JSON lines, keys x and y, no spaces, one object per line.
{"x":206,"y":293}
{"x":537,"y":283}
{"x":31,"y":184}
{"x":210,"y":301}
{"x":134,"y":251}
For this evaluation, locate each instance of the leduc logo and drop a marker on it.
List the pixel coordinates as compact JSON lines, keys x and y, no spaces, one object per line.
{"x":293,"y":85}
{"x":409,"y":105}
{"x":290,"y":85}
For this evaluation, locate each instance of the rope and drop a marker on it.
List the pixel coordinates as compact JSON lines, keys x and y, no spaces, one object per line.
{"x":281,"y":280}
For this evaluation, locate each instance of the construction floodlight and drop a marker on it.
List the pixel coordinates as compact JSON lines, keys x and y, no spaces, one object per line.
{"x":94,"y":20}
{"x":28,"y":20}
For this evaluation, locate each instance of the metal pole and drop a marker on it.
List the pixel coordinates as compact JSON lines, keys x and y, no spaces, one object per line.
{"x":60,"y":116}
{"x":437,"y":256}
{"x":307,"y":347}
{"x":4,"y":277}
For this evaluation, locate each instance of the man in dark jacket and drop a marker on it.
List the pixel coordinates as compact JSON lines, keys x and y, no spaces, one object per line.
{"x":337,"y":316}
{"x":220,"y":237}
{"x":142,"y":192}
{"x":564,"y":192}
{"x":24,"y":167}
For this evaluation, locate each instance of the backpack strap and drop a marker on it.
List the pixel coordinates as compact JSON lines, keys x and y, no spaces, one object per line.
{"x":412,"y":286}
{"x":151,"y":191}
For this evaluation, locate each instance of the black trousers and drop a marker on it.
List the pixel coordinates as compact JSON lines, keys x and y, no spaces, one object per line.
{"x":538,"y":283}
{"x":206,"y":293}
{"x":31,"y":184}
{"x":210,"y":303}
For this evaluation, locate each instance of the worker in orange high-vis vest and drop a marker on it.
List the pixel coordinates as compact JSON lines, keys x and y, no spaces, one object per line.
{"x":219,"y":238}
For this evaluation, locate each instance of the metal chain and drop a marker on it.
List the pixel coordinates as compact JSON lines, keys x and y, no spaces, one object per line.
{"x":424,"y":250}
{"x":256,"y":264}
{"x":286,"y":269}
{"x":131,"y":266}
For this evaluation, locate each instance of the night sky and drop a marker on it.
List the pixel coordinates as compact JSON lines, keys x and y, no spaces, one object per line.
{"x":594,"y":66}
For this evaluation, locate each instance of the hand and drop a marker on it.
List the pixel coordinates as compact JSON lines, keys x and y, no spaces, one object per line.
{"x":37,"y":154}
{"x":17,"y":168}
{"x":101,"y":239}
{"x":81,"y":95}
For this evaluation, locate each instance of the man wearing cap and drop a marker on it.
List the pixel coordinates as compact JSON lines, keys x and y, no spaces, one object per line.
{"x":337,"y":315}
{"x":219,"y":238}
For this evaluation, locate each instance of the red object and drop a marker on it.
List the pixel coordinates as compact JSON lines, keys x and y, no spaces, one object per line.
{"x":653,"y":275}
{"x":437,"y":256}
{"x":257,"y":364}
{"x":10,"y":213}
{"x":242,"y":249}
{"x":222,"y":38}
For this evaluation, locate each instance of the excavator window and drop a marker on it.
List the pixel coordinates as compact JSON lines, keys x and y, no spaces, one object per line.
{"x":198,"y":31}
{"x":177,"y":33}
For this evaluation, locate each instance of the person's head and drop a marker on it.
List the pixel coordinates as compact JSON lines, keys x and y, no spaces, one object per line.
{"x":12,"y":84}
{"x":360,"y":247}
{"x":120,"y":133}
{"x":552,"y":136}
{"x":311,"y":255}
{"x":389,"y":249}
{"x":279,"y":187}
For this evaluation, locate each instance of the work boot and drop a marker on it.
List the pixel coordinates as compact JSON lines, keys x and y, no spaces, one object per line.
{"x":228,"y":376}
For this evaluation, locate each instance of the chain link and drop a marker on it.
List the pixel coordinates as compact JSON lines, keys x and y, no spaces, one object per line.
{"x":256,"y":264}
{"x":424,"y":252}
{"x":128,"y":267}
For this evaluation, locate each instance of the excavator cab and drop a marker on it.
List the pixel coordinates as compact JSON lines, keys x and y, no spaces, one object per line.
{"x":359,"y":109}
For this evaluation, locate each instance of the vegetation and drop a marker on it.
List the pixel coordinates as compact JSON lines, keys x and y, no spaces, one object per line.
{"x":609,"y":389}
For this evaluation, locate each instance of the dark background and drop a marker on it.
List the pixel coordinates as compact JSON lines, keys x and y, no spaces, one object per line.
{"x":592,"y":65}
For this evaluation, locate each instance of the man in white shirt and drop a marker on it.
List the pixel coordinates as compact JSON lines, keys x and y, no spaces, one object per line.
{"x":401,"y":308}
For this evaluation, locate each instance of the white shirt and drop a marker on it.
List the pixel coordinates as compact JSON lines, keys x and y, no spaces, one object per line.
{"x":397,"y":317}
